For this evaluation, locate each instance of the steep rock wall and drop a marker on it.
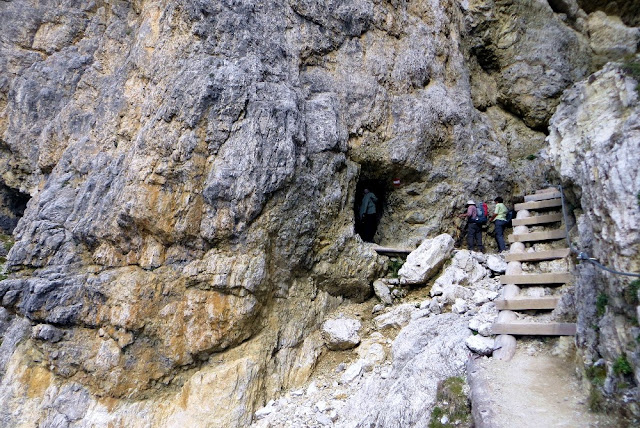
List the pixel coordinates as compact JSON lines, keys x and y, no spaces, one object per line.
{"x":595,"y":144}
{"x":192,"y":168}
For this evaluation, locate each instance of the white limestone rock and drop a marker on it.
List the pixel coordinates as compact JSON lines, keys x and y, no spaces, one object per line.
{"x":483,"y":296}
{"x":342,"y":333}
{"x":496,"y":263}
{"x":480,"y":345}
{"x":426,"y":260}
{"x":382,"y":292}
{"x":459,"y":307}
{"x":397,"y":318}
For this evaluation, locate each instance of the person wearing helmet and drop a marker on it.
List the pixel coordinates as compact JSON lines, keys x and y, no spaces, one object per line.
{"x":474,"y":230}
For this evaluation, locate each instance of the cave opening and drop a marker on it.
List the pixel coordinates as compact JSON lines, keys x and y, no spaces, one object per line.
{"x":366,"y":227}
{"x":12,"y":206}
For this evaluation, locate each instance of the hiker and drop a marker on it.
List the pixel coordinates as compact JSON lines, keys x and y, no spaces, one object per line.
{"x":500,"y":222}
{"x":368,"y":215}
{"x":474,"y":227}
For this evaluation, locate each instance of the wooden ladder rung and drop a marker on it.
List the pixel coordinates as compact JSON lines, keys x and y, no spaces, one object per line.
{"x":538,"y":255}
{"x":546,"y":235}
{"x":528,"y":303}
{"x":535,"y":329}
{"x":537,"y":219}
{"x":537,"y":278}
{"x":542,"y":196}
{"x":538,"y":205}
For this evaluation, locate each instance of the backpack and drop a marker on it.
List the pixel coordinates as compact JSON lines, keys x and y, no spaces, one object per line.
{"x":481,"y":214}
{"x":511,"y":214}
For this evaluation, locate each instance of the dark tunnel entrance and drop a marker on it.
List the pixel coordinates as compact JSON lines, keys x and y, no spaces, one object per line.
{"x":12,"y":206}
{"x":366,"y":225}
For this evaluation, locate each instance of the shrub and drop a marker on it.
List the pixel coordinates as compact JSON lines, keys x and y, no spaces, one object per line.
{"x":622,"y":367}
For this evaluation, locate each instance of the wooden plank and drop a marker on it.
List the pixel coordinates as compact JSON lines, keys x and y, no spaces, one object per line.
{"x":537,"y":219}
{"x":538,"y":205}
{"x":546,"y":235}
{"x":523,"y":303}
{"x":388,"y":250}
{"x":542,"y":196}
{"x":533,"y":329}
{"x":536,"y":278}
{"x":538,"y":255}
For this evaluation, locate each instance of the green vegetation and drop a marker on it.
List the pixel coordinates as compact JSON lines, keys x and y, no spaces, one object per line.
{"x":596,"y":374}
{"x":631,"y":66}
{"x":622,"y":367}
{"x":395,"y":264}
{"x":531,"y":157}
{"x":601,"y":303}
{"x":452,"y":405}
{"x":7,"y":241}
{"x":631,"y":292}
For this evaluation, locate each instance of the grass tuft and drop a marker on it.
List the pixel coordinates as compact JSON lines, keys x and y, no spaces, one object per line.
{"x":453,"y":405}
{"x":621,"y":366}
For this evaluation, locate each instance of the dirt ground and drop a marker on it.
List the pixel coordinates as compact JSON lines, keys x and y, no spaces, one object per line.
{"x":538,"y":389}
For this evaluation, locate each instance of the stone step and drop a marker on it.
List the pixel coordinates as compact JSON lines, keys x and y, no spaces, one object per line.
{"x":539,"y":205}
{"x":543,"y":196}
{"x":538,"y":255}
{"x":527,"y":303}
{"x":546,"y":235}
{"x":536,"y":278}
{"x":533,"y":329}
{"x":537,"y":219}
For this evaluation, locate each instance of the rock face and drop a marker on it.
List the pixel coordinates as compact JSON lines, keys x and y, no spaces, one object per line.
{"x":595,"y":144}
{"x":184,"y":175}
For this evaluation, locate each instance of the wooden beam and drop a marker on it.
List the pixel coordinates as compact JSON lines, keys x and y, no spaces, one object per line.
{"x":550,"y":203}
{"x":536,"y":278}
{"x":523,"y":304}
{"x":533,"y":329}
{"x":546,"y":235}
{"x":538,"y":255}
{"x":388,"y":250}
{"x":537,"y":219}
{"x":542,"y":196}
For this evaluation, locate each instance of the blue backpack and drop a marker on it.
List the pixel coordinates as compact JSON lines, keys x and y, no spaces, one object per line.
{"x":481,"y":216}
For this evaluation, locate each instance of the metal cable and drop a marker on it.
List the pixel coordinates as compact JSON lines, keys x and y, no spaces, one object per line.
{"x":584,"y":256}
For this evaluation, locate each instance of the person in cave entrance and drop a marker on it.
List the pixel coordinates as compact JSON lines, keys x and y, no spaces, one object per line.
{"x":368,"y":215}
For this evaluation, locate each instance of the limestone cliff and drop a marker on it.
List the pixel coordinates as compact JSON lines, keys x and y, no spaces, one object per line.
{"x":192,"y":168}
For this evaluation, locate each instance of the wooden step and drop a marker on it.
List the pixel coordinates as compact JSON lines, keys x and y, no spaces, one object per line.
{"x":537,"y":219}
{"x":536,"y":278}
{"x":389,"y":250}
{"x":543,"y":196}
{"x":533,"y":329}
{"x":527,"y":303}
{"x":546,"y":235}
{"x":538,"y":255}
{"x":538,"y":205}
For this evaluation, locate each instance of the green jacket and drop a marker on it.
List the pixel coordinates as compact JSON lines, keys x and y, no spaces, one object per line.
{"x":368,"y":204}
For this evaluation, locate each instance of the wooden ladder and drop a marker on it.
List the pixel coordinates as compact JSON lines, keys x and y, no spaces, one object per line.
{"x":506,"y":326}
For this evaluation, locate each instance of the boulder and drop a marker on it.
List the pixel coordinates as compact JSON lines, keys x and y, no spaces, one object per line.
{"x":496,"y":263}
{"x":382,"y":292}
{"x":397,"y":318}
{"x":425,"y":261}
{"x":480,"y":345}
{"x":340,"y":334}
